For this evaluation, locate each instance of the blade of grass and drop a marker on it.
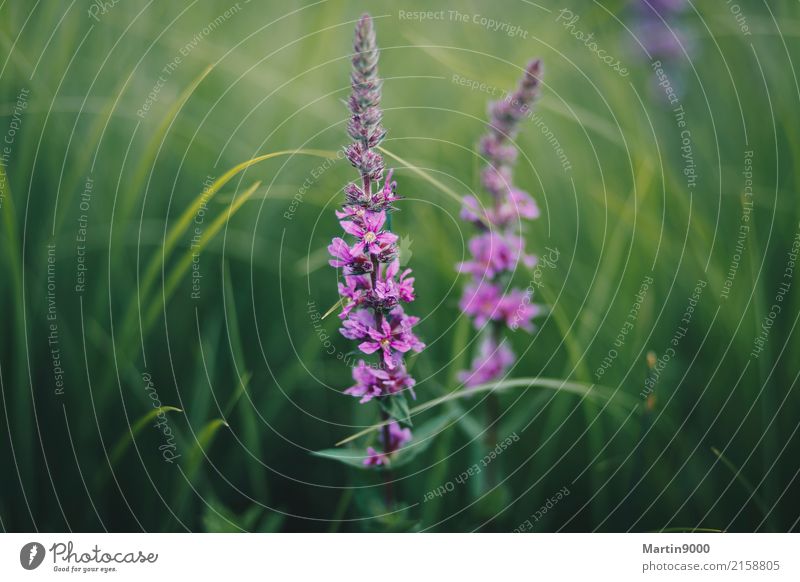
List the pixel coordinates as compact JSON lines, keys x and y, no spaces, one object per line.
{"x":153,"y":148}
{"x":185,"y":264}
{"x":125,"y":441}
{"x":423,"y":174}
{"x":129,"y":325}
{"x":186,"y":218}
{"x":203,"y":441}
{"x":183,"y":223}
{"x":576,"y":388}
{"x":83,"y":155}
{"x":333,"y":308}
{"x":737,"y":474}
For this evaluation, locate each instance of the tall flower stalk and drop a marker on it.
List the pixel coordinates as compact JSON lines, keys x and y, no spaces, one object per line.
{"x":373,"y":287}
{"x":496,"y":250}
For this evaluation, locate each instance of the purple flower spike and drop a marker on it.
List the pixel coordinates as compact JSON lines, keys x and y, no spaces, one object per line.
{"x":374,"y":285}
{"x":499,"y":248}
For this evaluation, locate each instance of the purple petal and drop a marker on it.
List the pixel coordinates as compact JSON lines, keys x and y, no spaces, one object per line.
{"x":369,"y":347}
{"x":352,"y":228}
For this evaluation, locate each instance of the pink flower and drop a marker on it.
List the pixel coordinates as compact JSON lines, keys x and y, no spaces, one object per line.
{"x":397,"y":380}
{"x":367,"y":161}
{"x":358,"y":324}
{"x":484,"y":302}
{"x":394,"y":334}
{"x":389,"y":288}
{"x":352,"y":211}
{"x":481,"y":301}
{"x":402,"y":323}
{"x":473,"y":211}
{"x":496,"y":180}
{"x":371,"y":312}
{"x":372,"y":382}
{"x":397,"y":438}
{"x":369,"y":234}
{"x":341,"y":253}
{"x":344,"y":257}
{"x":493,"y":253}
{"x":517,"y":310}
{"x":386,"y":196}
{"x":517,"y":205}
{"x":491,"y":363}
{"x":497,"y":250}
{"x":356,"y":290}
{"x":368,"y":383}
{"x":405,"y":285}
{"x":494,"y":147}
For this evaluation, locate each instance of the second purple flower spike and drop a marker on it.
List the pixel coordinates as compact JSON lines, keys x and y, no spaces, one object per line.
{"x":497,"y":250}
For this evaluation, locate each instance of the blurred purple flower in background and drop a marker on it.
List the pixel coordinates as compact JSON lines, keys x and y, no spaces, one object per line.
{"x":662,"y":28}
{"x":658,"y":27}
{"x":493,"y":361}
{"x":497,"y":250}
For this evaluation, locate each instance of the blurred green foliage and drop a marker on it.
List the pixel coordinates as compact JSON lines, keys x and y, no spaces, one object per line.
{"x":120,"y":118}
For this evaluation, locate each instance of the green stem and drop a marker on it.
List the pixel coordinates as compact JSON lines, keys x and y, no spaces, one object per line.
{"x":388,"y":478}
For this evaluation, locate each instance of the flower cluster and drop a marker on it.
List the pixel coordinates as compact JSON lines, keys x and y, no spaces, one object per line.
{"x":391,"y":439}
{"x":498,"y":248}
{"x":374,"y":287}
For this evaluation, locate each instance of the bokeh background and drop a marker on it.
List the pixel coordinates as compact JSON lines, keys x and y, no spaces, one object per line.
{"x":116,"y":118}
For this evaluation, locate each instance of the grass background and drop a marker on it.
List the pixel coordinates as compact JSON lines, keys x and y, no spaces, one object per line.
{"x":253,"y":387}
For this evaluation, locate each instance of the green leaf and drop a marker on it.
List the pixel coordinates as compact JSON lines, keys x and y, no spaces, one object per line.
{"x":347,"y":456}
{"x":423,"y":437}
{"x":396,"y":406}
